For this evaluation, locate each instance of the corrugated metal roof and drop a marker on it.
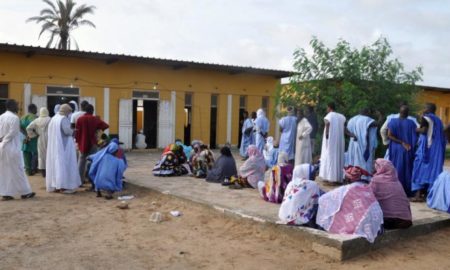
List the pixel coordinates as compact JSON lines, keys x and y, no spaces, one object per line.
{"x":111,"y":58}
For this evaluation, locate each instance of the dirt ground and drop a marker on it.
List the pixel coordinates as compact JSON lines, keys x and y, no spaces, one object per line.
{"x":80,"y":231}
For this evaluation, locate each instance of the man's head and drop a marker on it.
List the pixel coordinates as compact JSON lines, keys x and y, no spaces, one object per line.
{"x":310,"y":109}
{"x":290,"y":111}
{"x":430,"y":108}
{"x":404,"y":111}
{"x":65,"y":110}
{"x":365,"y":111}
{"x":90,"y":109}
{"x":331,"y":107}
{"x":300,"y":113}
{"x":245,"y":114}
{"x":225,"y":151}
{"x":32,"y":109}
{"x":253,"y":115}
{"x":83,"y":105}
{"x":12,"y":106}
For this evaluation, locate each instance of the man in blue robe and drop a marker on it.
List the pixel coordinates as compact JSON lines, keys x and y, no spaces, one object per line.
{"x":107,"y":169}
{"x":288,"y":128}
{"x":247,"y":135}
{"x":362,"y":150}
{"x":261,"y":129}
{"x":430,"y":153}
{"x":403,"y":138}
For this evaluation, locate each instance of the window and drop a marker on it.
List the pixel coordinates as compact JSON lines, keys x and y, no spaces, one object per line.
{"x":62,"y":91}
{"x":214,"y":100}
{"x":265,"y":104}
{"x":3,"y":96}
{"x":149,"y":95}
{"x":242,"y":102}
{"x":188,"y":100}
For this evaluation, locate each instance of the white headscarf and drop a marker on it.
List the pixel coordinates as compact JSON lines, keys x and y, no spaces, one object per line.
{"x":75,"y":106}
{"x":56,"y":109}
{"x":260,"y":113}
{"x":283,"y":158}
{"x":43,"y":112}
{"x":302,"y":172}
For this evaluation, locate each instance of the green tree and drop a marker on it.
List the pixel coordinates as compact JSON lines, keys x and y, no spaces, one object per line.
{"x":370,"y":77}
{"x":60,"y":19}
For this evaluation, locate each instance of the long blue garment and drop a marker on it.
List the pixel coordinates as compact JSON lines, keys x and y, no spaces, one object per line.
{"x":262,"y":127}
{"x":429,"y":161}
{"x":107,"y":170}
{"x":439,"y":195}
{"x":287,"y":140}
{"x":361,"y":152}
{"x":247,"y":139}
{"x":389,"y":118}
{"x":272,"y":157}
{"x":404,"y":130}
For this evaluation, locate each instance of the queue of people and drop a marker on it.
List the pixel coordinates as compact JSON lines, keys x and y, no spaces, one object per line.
{"x":65,"y":148}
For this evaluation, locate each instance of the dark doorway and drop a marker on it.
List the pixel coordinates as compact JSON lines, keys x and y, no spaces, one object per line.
{"x":145,"y":118}
{"x":2,"y":106}
{"x":242,"y":106}
{"x":52,"y":101}
{"x":213,"y":123}
{"x":187,"y":118}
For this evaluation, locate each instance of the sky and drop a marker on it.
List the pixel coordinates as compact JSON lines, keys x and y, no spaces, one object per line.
{"x":258,"y":33}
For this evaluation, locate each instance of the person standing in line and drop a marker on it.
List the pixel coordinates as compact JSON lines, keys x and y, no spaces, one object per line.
{"x":361,"y":152}
{"x":61,"y":168}
{"x":39,"y":128}
{"x":86,"y":137}
{"x":312,"y":119}
{"x":29,"y":147}
{"x":303,"y":147}
{"x":74,"y":117}
{"x":253,"y":117}
{"x":247,"y":135}
{"x":288,"y":125}
{"x":261,"y":129}
{"x":333,"y":147}
{"x":430,"y":153}
{"x":13,"y":180}
{"x":402,"y":140}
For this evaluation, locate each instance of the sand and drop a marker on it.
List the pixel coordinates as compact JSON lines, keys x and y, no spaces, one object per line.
{"x":80,"y":231}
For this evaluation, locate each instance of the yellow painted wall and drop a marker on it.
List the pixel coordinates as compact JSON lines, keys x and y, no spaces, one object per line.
{"x":92,"y":76}
{"x":442,"y":101}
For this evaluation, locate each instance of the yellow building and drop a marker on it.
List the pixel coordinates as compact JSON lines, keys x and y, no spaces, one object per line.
{"x":439,"y":96}
{"x":167,"y":99}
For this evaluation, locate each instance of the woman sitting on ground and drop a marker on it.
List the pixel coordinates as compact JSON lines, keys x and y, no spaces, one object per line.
{"x":271,"y":152}
{"x":224,"y":168}
{"x":204,"y":162}
{"x":107,"y":169}
{"x":351,"y":209}
{"x":172,"y":163}
{"x":251,"y":172}
{"x":390,"y":194}
{"x":272,"y":190}
{"x":301,"y":198}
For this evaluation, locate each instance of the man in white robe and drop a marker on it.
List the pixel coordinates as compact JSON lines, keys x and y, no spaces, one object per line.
{"x":303,"y":146}
{"x":333,"y":146}
{"x":12,"y":180}
{"x":361,"y":151}
{"x":62,"y":167}
{"x":288,"y":126}
{"x":39,"y":128}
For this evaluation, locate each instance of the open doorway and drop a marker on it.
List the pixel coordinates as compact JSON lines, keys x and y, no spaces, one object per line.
{"x":52,"y":101}
{"x":213,"y":122}
{"x":242,"y":106}
{"x":187,"y":118}
{"x":145,"y":118}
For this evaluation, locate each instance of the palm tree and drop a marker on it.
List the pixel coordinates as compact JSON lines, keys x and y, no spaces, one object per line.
{"x":60,"y":20}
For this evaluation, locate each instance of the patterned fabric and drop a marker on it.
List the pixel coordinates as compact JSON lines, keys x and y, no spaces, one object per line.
{"x":203,"y":162}
{"x":254,"y":167}
{"x":275,"y":185}
{"x":351,"y":209}
{"x":172,"y":162}
{"x":301,"y":198}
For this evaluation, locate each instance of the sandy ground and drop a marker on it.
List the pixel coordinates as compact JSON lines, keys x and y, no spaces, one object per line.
{"x":55,"y":231}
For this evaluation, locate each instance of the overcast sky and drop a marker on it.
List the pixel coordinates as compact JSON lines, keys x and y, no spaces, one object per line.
{"x":261,"y":33}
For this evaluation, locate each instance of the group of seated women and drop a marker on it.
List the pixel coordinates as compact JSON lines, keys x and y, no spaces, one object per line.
{"x":359,"y":208}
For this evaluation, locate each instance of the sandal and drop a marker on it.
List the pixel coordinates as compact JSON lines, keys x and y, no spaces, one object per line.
{"x":7,"y":198}
{"x":227,"y":182}
{"x":236,"y":186}
{"x":28,"y":196}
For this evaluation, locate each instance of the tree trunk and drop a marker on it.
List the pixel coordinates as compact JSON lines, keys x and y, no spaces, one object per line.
{"x":63,"y":42}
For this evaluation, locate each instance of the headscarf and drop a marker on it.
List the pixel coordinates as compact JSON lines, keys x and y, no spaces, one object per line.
{"x":260,"y":113}
{"x":254,"y":167}
{"x":301,"y":198}
{"x":65,"y":110}
{"x":75,"y":106}
{"x":389,"y":191}
{"x":56,"y":108}
{"x":43,"y":112}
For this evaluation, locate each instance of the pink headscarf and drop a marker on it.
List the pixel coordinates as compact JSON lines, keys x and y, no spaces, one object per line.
{"x":389,"y":191}
{"x":254,"y":167}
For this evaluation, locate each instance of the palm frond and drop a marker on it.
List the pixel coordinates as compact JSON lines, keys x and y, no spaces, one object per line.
{"x":52,"y":5}
{"x":48,"y":26}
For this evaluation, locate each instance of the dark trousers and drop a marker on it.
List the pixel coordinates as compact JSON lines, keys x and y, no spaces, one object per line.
{"x":82,"y":162}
